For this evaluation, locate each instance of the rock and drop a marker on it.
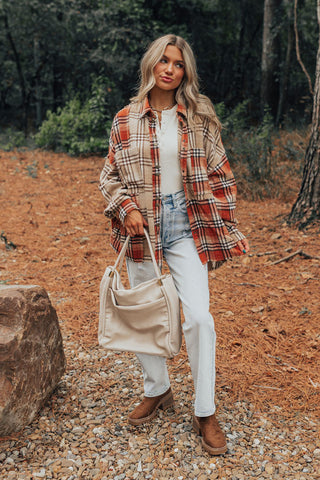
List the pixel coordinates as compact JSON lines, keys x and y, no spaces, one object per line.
{"x":32,"y":359}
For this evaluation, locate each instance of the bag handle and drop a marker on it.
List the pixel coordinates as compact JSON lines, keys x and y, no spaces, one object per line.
{"x":123,"y":250}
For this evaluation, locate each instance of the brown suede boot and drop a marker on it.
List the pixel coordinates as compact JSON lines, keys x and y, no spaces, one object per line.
{"x":147,"y":409}
{"x":213,"y":439}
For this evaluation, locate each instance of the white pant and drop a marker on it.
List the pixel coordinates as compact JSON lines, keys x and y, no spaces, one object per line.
{"x":191,"y":280}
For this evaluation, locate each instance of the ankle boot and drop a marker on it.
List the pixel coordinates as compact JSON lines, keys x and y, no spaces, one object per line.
{"x":147,"y":409}
{"x":213,"y":439}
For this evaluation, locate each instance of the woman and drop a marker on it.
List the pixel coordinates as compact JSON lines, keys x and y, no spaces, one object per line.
{"x":167,"y":170}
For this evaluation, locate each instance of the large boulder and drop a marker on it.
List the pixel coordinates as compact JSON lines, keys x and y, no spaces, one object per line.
{"x":32,"y":359}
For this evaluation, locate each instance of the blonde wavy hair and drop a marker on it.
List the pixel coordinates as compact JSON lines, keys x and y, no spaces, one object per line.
{"x":187,"y":94}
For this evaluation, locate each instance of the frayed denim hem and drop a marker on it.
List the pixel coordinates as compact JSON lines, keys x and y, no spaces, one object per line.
{"x":157,"y":393}
{"x":206,"y":413}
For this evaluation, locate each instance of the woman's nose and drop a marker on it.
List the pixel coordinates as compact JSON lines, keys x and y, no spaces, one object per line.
{"x":169,"y":67}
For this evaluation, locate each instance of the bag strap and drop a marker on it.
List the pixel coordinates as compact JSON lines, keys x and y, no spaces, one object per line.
{"x":123,"y":250}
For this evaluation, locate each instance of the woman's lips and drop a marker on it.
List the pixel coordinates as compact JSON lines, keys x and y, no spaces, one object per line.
{"x":167,"y":79}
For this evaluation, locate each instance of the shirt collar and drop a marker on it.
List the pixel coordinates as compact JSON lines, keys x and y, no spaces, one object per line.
{"x":182,"y":110}
{"x":147,"y":110}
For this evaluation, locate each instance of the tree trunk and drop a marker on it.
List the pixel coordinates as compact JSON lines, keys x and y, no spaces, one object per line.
{"x":269,"y":61}
{"x":287,"y":63}
{"x":37,"y":90}
{"x":20,"y":74}
{"x":306,"y":209}
{"x":57,"y":84}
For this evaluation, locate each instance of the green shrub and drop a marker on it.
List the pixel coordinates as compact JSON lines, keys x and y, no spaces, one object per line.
{"x":11,"y":139}
{"x":251,"y":149}
{"x":235,"y":119}
{"x":254,"y":146}
{"x":79,"y":127}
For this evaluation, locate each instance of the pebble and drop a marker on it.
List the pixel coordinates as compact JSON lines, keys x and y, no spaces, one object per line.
{"x":82,"y":432}
{"x":40,"y":474}
{"x":269,"y":468}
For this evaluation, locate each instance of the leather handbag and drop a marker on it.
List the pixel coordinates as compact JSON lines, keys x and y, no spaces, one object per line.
{"x":143,"y":319}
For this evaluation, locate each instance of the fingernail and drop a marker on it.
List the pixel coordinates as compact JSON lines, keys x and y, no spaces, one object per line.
{"x":244,"y":251}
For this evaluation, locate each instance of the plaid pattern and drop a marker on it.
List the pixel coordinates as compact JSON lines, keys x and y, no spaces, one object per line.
{"x":130,"y":180}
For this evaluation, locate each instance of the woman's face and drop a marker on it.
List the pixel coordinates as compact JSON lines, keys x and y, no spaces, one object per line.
{"x":169,"y":71}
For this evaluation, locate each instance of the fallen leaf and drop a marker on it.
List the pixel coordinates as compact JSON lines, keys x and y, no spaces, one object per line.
{"x":257,"y":309}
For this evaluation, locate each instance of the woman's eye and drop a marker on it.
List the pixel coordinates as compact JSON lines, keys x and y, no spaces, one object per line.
{"x":180,"y":65}
{"x":163,"y":60}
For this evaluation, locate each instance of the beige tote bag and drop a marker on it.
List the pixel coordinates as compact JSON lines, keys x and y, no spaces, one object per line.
{"x":143,"y":319}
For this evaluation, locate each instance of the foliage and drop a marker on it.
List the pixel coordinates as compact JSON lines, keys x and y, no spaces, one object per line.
{"x":235,"y":119}
{"x":79,"y":128}
{"x":51,"y":50}
{"x":11,"y":138}
{"x":257,"y":149}
{"x":250,"y":149}
{"x":261,"y":156}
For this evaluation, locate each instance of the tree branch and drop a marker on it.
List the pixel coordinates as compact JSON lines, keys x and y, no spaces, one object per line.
{"x":16,"y":56}
{"x":298,"y":48}
{"x":298,"y":252}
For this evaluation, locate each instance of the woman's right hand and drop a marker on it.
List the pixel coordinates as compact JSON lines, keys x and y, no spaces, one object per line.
{"x":134,"y":223}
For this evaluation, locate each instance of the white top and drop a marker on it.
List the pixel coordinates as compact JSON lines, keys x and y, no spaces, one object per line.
{"x":167,"y":134}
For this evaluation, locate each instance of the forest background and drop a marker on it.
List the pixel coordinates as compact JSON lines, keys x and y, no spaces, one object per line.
{"x":67,"y":66}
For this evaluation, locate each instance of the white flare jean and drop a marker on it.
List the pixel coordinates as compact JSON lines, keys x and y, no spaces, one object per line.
{"x":191,"y":280}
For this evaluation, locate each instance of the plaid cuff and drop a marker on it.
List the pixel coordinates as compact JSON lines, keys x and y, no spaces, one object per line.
{"x":126,"y":207}
{"x":232,"y":229}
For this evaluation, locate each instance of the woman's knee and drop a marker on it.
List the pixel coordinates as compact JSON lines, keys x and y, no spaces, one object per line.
{"x":199,"y":320}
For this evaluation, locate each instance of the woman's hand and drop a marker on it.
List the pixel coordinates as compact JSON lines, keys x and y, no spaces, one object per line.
{"x":134,"y":223}
{"x":244,"y":245}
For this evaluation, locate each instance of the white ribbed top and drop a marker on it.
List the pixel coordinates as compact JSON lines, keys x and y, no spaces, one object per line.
{"x":167,"y":134}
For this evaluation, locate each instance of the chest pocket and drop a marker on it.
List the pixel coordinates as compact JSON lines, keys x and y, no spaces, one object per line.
{"x":197,"y":174}
{"x":129,"y":167}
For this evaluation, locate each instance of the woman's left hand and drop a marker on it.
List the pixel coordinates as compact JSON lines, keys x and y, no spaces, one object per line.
{"x":244,"y":245}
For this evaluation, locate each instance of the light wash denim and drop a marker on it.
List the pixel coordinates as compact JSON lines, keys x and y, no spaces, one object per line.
{"x":191,"y":280}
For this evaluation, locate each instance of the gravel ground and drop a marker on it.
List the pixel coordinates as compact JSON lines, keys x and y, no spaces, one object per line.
{"x":82,"y":432}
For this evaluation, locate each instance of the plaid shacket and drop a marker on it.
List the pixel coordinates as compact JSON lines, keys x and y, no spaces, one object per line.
{"x":131,"y":180}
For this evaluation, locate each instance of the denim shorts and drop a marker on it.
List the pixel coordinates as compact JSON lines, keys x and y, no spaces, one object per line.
{"x":174,"y":221}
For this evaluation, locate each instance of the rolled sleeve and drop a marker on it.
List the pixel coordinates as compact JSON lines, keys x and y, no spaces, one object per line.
{"x":233,"y":230}
{"x":127,"y":206}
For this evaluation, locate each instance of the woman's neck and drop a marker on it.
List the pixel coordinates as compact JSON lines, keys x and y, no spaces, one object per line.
{"x":160,"y":99}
